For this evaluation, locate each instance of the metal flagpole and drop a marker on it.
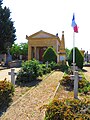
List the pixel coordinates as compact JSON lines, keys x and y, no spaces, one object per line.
{"x":75,"y":73}
{"x":73,"y":53}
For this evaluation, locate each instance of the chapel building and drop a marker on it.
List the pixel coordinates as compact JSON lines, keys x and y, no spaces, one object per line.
{"x":40,"y":41}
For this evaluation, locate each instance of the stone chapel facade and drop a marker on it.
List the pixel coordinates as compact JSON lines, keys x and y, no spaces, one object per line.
{"x":40,"y":41}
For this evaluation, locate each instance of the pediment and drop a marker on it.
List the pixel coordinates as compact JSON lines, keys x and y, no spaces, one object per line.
{"x":42,"y":34}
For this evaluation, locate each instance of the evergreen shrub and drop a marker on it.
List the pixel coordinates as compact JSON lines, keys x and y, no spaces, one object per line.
{"x":68,"y":110}
{"x":50,"y":55}
{"x":6,"y":92}
{"x":79,"y":59}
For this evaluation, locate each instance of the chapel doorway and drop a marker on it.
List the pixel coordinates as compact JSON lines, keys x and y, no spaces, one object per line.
{"x":41,"y":51}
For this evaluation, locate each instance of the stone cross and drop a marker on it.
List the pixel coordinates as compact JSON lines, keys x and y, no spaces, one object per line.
{"x":12,"y":73}
{"x":76,"y":78}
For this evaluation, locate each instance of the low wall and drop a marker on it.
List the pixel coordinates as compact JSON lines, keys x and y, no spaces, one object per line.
{"x":16,"y":63}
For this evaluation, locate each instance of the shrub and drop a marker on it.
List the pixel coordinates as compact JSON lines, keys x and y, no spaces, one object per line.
{"x":30,"y":71}
{"x":83,"y":85}
{"x":45,"y":69}
{"x":55,"y":66}
{"x":67,"y":82}
{"x":68,"y":110}
{"x":50,"y":55}
{"x":79,"y":59}
{"x":6,"y":92}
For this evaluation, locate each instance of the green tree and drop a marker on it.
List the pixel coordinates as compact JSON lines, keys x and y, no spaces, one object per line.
{"x":79,"y":59}
{"x":24,"y":48}
{"x":7,"y":29}
{"x":15,"y":50}
{"x":50,"y":55}
{"x":1,"y":2}
{"x":19,"y":49}
{"x":67,"y":53}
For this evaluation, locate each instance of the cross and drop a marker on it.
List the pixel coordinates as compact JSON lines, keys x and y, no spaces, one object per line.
{"x":12,"y":73}
{"x":76,"y":78}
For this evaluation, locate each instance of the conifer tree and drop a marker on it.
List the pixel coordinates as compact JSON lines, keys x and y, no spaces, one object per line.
{"x":50,"y":55}
{"x":79,"y":59}
{"x":7,"y":29}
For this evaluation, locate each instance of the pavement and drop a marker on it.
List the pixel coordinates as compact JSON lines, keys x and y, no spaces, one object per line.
{"x":87,"y":72}
{"x":4,"y":73}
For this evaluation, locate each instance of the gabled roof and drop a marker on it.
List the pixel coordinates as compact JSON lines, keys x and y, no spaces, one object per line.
{"x":41,"y":34}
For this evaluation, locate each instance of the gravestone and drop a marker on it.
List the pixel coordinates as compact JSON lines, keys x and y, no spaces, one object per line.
{"x":9,"y":57}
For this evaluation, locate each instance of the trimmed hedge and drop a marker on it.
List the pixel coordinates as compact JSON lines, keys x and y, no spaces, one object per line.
{"x":68,"y":110}
{"x":6,"y":92}
{"x":50,"y":55}
{"x":79,"y":59}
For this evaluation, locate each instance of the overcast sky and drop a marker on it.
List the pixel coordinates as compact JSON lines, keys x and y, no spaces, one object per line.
{"x":53,"y":16}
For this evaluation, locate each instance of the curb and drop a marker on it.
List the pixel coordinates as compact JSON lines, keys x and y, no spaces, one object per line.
{"x":57,"y":87}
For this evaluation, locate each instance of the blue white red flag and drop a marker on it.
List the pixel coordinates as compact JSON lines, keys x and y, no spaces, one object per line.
{"x":74,"y":25}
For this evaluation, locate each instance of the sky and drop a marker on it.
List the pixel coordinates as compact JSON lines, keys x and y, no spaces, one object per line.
{"x":52,"y":16}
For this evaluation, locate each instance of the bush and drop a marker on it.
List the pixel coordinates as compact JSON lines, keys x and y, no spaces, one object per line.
{"x":6,"y":92}
{"x":67,"y":82}
{"x":68,"y":110}
{"x":50,"y":55}
{"x":83,"y":85}
{"x":56,"y":66}
{"x":30,"y":71}
{"x":45,"y":69}
{"x":79,"y":59}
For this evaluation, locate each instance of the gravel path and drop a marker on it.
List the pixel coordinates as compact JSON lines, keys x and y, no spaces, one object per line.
{"x":28,"y":108}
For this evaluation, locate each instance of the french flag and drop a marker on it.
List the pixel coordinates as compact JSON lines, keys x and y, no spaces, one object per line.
{"x":74,"y":25}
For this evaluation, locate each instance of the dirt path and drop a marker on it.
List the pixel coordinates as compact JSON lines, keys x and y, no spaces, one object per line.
{"x":28,"y":108}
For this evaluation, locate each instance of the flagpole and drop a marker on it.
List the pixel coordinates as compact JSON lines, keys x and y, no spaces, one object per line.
{"x":74,"y":71}
{"x":73,"y":53}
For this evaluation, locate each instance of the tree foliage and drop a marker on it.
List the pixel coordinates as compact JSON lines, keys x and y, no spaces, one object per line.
{"x":7,"y":29}
{"x":67,"y":52}
{"x":19,"y":49}
{"x":24,"y":48}
{"x":79,"y":59}
{"x":50,"y":55}
{"x":15,"y":49}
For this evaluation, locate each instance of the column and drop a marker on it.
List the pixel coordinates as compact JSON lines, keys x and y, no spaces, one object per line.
{"x":29,"y":52}
{"x":35,"y":52}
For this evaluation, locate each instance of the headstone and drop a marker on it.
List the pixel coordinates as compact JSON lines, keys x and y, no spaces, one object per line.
{"x":20,"y":57}
{"x":9,"y":57}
